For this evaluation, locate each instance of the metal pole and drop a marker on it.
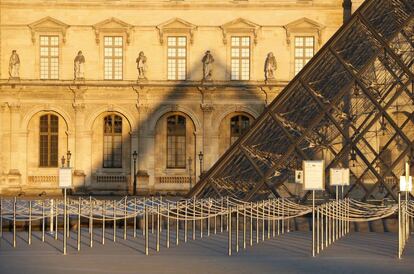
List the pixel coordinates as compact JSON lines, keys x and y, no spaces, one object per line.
{"x":194,"y":217}
{"x":152,"y":215}
{"x":257,"y":222}
{"x":326,"y":225}
{"x":208,"y":216}
{"x":143,"y":230}
{"x":313,"y":223}
{"x":177,"y":225}
{"x":283,"y":216}
{"x":278,"y":216}
{"x":215,"y":222}
{"x":1,"y":217}
{"x":251,"y":223}
{"x":103,"y":221}
{"x":185,"y":221}
{"x":79,"y":223}
{"x":64,"y":222}
{"x":168,"y":225}
{"x":14,"y":222}
{"x":158,"y":227}
{"x":268,"y":219}
{"x":146,"y":229}
{"x":114,"y":228}
{"x":237,"y":228}
{"x":125,"y":217}
{"x":273,"y":221}
{"x":43,"y":220}
{"x":244,"y":226}
{"x":30,"y":223}
{"x":51,"y":215}
{"x":263,"y":221}
{"x":135,"y":217}
{"x":90,"y":221}
{"x":221,"y":215}
{"x":201,"y":219}
{"x":229,"y":228}
{"x":56,"y":220}
{"x":317,"y":231}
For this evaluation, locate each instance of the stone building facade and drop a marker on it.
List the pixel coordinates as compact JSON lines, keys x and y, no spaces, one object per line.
{"x":167,"y":79}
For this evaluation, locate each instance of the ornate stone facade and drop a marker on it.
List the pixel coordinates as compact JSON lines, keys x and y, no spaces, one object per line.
{"x":105,"y":114}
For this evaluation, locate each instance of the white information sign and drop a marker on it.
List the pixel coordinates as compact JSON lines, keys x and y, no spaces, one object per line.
{"x":65,"y":177}
{"x":314,"y":175}
{"x":339,"y":176}
{"x":406,"y":186}
{"x":298,"y":176}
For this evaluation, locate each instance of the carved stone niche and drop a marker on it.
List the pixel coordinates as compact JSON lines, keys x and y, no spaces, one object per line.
{"x":176,"y":26}
{"x":48,"y":25}
{"x":304,"y":26}
{"x":240,"y":26}
{"x":112,"y":25}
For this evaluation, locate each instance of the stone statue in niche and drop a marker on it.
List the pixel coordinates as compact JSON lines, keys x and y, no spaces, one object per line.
{"x":79,"y":66}
{"x":270,"y":67}
{"x":142,"y":66}
{"x":208,"y":61}
{"x":14,"y":65}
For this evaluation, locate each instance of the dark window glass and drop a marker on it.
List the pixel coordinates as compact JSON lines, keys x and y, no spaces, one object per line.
{"x":176,"y":141}
{"x":238,"y":125}
{"x":49,"y":140}
{"x":112,"y":141}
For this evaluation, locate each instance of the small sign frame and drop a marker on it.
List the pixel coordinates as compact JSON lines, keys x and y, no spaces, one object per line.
{"x":65,"y":177}
{"x":339,"y":177}
{"x":314,"y":175}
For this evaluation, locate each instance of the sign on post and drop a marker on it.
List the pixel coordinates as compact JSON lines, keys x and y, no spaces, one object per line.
{"x":339,"y":176}
{"x":314,"y":175}
{"x":406,"y":186}
{"x":65,"y":177}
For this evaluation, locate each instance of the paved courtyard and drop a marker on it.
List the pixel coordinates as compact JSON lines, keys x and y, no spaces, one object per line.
{"x":288,"y":253}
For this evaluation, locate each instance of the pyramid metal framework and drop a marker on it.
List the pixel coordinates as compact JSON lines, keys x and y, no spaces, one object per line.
{"x":352,"y":105}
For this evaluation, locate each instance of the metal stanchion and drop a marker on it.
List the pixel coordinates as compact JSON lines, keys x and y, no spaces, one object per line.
{"x":177,"y":224}
{"x":158,"y":227}
{"x":90,"y":222}
{"x":257,"y":222}
{"x":56,"y":220}
{"x":185,"y":221}
{"x":251,"y":224}
{"x":114,"y":228}
{"x":103,"y":221}
{"x":273,"y":221}
{"x":208,"y":216}
{"x":194,"y":219}
{"x":143,"y":230}
{"x":221,"y":215}
{"x":237,"y":228}
{"x":326,"y":225}
{"x":229,"y":229}
{"x":313,"y":223}
{"x":201,"y":219}
{"x":317,"y":231}
{"x":321,"y":226}
{"x":215,"y":222}
{"x":29,"y":236}
{"x":399,"y":226}
{"x":135,"y":217}
{"x":1,"y":217}
{"x":43,"y":221}
{"x":14,"y":222}
{"x":168,"y":225}
{"x":51,"y":215}
{"x":263,"y":221}
{"x":244,"y":226}
{"x":283,"y":215}
{"x":152,"y":215}
{"x":227,"y":206}
{"x":146,"y":229}
{"x":125,"y":218}
{"x":64,"y":222}
{"x":79,"y":223}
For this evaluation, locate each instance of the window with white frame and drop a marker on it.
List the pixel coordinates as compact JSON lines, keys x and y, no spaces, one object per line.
{"x":113,"y":57}
{"x":240,"y":58}
{"x":304,"y":51}
{"x":49,"y":57}
{"x":177,"y":57}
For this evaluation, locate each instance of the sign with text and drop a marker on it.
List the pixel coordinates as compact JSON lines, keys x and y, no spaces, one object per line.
{"x":65,"y":177}
{"x":406,"y":186}
{"x":339,"y":176}
{"x":314,"y":175}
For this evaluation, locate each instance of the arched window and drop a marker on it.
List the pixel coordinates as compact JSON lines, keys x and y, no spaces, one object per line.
{"x":112,"y":153}
{"x":49,"y":136}
{"x":238,"y":125}
{"x":176,"y":141}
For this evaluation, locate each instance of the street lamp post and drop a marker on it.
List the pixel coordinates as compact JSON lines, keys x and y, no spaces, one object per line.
{"x":68,"y":156}
{"x":135,"y":156}
{"x":200,"y":157}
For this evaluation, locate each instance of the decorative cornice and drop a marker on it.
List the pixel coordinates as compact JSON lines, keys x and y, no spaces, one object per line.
{"x":176,"y":26}
{"x":240,"y":26}
{"x":48,"y":24}
{"x":112,"y":25}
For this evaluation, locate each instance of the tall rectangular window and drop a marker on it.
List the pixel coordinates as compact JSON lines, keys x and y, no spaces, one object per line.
{"x":112,"y":141}
{"x":49,"y":57}
{"x":113,"y":57}
{"x":177,"y":57}
{"x":240,"y":58}
{"x":304,"y":51}
{"x":176,"y":141}
{"x":49,"y":133}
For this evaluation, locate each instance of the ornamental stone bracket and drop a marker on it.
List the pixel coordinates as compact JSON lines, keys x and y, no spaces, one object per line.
{"x":112,"y":25}
{"x":268,"y":91}
{"x":206,"y":94}
{"x":176,"y":26}
{"x":48,"y":24}
{"x":304,"y":25}
{"x":207,"y":107}
{"x":240,"y":26}
{"x":142,"y":104}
